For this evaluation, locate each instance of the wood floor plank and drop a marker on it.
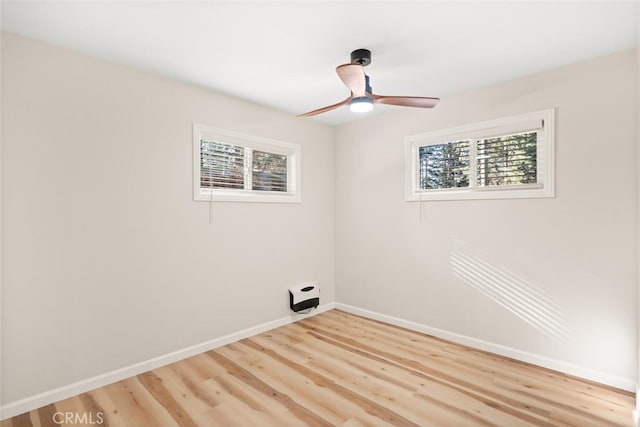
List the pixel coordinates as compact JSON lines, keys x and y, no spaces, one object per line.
{"x":340,"y":369}
{"x":303,"y":414}
{"x":370,"y":406}
{"x":442,"y":380}
{"x":384,"y":384}
{"x":46,"y":415}
{"x":22,"y":420}
{"x":481,"y":393}
{"x":187,"y":391}
{"x":70,"y":406}
{"x":154,"y":384}
{"x":330,"y":407}
{"x":102,"y":403}
{"x":136,"y":406}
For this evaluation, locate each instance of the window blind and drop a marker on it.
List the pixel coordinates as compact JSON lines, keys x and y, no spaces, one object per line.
{"x":444,"y":165}
{"x":507,"y":160}
{"x":224,"y":165}
{"x":221,"y":165}
{"x":269,"y":171}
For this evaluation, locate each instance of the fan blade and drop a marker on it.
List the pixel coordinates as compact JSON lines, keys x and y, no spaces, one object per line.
{"x":406,"y":101}
{"x":352,"y":75}
{"x":325,"y":109}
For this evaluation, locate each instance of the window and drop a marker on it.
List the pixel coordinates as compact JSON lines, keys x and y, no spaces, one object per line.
{"x":506,"y":158}
{"x":230,"y":166}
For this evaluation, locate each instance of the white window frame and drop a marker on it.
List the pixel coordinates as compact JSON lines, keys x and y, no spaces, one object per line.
{"x":542,"y":122}
{"x":250,"y":143}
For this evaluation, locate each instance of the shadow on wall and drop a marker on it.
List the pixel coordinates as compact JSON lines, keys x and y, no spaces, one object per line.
{"x":515,"y":293}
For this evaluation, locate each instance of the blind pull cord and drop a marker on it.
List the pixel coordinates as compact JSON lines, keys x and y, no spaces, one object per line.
{"x":211,"y":210}
{"x":210,"y":196}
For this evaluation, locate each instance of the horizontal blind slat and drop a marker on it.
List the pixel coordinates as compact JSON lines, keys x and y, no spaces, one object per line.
{"x":221,"y":165}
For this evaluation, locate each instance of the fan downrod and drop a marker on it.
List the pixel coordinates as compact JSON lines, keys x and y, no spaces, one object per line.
{"x":361,"y":56}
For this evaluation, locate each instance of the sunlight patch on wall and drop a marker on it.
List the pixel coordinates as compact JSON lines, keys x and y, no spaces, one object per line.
{"x":512,"y":291}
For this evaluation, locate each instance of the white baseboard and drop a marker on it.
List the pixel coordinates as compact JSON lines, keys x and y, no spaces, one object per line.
{"x":535,"y":359}
{"x":34,"y":402}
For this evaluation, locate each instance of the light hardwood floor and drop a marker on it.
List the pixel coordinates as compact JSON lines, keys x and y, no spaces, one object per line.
{"x":339,"y":369}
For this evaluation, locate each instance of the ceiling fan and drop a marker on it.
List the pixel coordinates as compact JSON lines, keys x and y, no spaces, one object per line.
{"x":362,"y":97}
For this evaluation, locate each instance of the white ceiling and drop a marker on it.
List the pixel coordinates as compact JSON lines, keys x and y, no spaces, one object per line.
{"x":283,"y":54}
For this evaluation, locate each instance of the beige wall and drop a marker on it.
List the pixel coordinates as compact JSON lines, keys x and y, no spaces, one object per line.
{"x":570,"y":261}
{"x":107,"y":260}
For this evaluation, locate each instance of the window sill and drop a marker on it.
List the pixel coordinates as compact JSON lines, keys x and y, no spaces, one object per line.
{"x":530,"y":191}
{"x":249,"y":196}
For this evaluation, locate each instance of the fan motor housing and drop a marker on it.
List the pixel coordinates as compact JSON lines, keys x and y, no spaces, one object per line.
{"x":361,"y":56}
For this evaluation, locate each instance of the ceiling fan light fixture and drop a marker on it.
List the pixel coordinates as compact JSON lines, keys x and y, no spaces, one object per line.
{"x":362,"y":98}
{"x":361,"y":104}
